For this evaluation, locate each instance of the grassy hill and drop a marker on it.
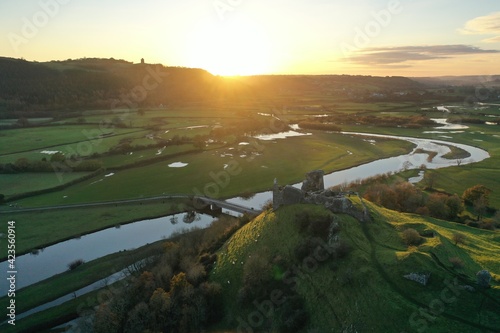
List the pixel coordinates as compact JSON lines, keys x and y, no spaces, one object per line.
{"x":360,"y":290}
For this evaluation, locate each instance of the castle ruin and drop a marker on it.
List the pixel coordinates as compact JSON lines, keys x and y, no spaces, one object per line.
{"x":313,"y":192}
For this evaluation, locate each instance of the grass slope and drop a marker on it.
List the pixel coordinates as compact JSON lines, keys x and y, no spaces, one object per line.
{"x":366,"y":291}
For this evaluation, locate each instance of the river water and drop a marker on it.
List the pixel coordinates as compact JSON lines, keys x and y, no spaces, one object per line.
{"x":32,"y":268}
{"x":391,"y":164}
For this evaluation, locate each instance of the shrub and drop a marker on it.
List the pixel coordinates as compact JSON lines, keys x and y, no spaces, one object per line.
{"x":456,"y":262}
{"x":342,"y":249}
{"x":411,"y":237}
{"x":306,"y":248}
{"x":483,"y":278}
{"x":473,"y":224}
{"x":74,"y":264}
{"x":268,"y":205}
{"x":458,"y":238}
{"x":487,"y":225}
{"x":302,"y":220}
{"x":256,"y":270}
{"x":320,"y":227}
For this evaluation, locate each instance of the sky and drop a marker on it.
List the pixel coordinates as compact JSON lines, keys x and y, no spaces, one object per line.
{"x":247,"y":37}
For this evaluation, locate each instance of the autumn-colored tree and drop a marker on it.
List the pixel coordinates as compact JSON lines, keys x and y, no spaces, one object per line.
{"x":409,"y":198}
{"x":480,"y":206}
{"x":430,"y":179}
{"x":105,"y":320}
{"x":475,"y":192}
{"x":22,"y":164}
{"x":455,"y":205}
{"x":437,"y":205}
{"x":383,"y":195}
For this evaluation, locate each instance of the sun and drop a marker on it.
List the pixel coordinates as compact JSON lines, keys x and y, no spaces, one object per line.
{"x":229,"y":49}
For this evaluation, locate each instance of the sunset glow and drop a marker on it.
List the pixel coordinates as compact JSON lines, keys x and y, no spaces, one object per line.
{"x":379,"y":37}
{"x":239,"y":48}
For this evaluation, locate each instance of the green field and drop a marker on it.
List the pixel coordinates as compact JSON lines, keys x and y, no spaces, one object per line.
{"x":16,"y":140}
{"x":252,"y":172}
{"x":25,"y":182}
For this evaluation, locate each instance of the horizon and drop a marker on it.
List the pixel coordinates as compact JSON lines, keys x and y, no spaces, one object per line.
{"x":247,"y":38}
{"x":250,"y":75}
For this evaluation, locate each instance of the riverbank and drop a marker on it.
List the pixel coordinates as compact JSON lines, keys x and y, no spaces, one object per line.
{"x":37,"y":230}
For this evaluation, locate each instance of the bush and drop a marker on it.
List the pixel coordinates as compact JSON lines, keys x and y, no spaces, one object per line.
{"x":458,"y":238}
{"x":268,"y":205}
{"x":456,"y":262}
{"x":256,"y":271}
{"x":320,"y":227}
{"x":74,"y":264}
{"x":302,"y":220}
{"x":487,"y":225}
{"x":342,"y":249}
{"x":483,"y":278}
{"x":411,"y":237}
{"x":306,"y":248}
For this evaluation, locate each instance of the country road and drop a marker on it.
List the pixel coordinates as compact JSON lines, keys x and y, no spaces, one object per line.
{"x":208,"y":201}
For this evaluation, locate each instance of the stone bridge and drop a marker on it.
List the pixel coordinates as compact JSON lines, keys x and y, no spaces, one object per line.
{"x":217,"y":205}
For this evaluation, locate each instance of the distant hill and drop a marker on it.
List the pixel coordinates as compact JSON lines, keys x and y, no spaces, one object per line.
{"x":91,"y":83}
{"x":472,"y":80}
{"x":95,"y":84}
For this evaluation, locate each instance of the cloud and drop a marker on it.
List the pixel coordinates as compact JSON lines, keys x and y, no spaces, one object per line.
{"x":484,"y":25}
{"x":492,"y":40}
{"x":399,"y":55}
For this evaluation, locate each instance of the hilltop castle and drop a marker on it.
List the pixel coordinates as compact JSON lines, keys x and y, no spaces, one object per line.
{"x":313,"y":192}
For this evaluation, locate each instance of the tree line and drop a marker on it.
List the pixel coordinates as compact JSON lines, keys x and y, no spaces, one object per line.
{"x":405,"y":197}
{"x":172,"y":294}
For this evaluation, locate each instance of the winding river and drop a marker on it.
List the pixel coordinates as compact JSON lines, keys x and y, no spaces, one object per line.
{"x":392,"y":164}
{"x":54,"y":259}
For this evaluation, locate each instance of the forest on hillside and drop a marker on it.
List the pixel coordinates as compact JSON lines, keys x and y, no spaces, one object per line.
{"x":51,"y":89}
